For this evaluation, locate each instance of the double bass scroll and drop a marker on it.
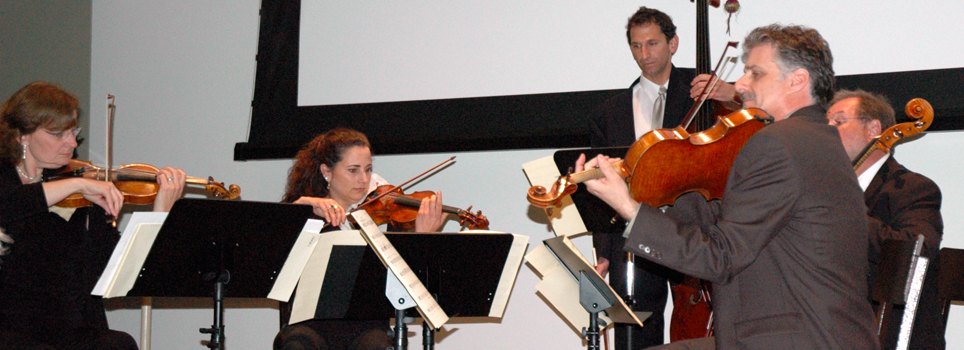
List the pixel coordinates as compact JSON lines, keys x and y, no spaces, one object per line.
{"x":918,"y":109}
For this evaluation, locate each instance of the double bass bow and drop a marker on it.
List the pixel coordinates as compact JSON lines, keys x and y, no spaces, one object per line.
{"x":692,"y":315}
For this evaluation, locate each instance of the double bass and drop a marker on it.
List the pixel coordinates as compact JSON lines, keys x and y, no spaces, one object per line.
{"x":692,"y":315}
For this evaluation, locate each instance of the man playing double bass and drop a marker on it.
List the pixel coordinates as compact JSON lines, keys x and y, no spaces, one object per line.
{"x":619,"y":122}
{"x":901,"y":204}
{"x":786,"y":246}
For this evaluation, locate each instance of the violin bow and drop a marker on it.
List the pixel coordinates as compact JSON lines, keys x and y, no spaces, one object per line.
{"x":392,"y":189}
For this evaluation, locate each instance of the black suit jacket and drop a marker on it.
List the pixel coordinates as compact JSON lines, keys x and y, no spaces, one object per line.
{"x":611,"y":125}
{"x":901,"y":205}
{"x":786,"y":247}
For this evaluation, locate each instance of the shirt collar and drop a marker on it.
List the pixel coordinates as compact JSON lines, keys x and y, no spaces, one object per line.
{"x":868,"y":176}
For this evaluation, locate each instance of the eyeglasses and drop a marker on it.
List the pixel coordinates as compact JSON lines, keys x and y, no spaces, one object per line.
{"x":838,"y":121}
{"x":66,"y":133}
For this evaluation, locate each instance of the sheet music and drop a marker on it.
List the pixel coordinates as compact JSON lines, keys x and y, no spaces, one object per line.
{"x":298,"y":257}
{"x":119,"y":275}
{"x":565,"y":219}
{"x":910,"y":308}
{"x":425,"y":303}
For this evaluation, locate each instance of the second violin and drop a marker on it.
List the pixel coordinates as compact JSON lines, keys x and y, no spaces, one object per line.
{"x":387,"y":204}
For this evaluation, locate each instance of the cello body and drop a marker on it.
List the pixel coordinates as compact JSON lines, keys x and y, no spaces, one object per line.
{"x":672,"y":162}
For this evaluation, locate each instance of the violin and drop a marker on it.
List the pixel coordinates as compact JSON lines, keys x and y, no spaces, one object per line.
{"x":137,"y":182}
{"x":387,"y":204}
{"x":918,"y":109}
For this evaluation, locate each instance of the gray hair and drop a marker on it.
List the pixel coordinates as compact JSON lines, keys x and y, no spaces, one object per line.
{"x":798,"y":47}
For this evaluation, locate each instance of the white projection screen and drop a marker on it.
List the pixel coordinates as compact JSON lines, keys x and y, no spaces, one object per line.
{"x":455,"y":76}
{"x":381,"y":51}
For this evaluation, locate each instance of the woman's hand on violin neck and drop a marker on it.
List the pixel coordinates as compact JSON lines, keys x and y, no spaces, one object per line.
{"x":171,"y":181}
{"x":327,"y":208}
{"x":612,"y":189}
{"x":430,"y":217}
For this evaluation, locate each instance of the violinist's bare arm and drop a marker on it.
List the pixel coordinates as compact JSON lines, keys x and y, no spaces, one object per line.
{"x":172,"y":181}
{"x":612,"y":189}
{"x":722,"y":91}
{"x":103,"y":194}
{"x":430,"y":217}
{"x":326,"y":208}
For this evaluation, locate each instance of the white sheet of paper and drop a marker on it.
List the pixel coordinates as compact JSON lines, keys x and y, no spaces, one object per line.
{"x":120,"y":251}
{"x":294,"y":265}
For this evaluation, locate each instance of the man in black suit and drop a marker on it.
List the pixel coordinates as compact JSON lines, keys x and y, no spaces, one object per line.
{"x":619,"y":122}
{"x":786,"y":246}
{"x":901,"y":205}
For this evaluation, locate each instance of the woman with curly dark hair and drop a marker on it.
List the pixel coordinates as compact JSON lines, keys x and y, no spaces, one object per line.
{"x":333,"y":173}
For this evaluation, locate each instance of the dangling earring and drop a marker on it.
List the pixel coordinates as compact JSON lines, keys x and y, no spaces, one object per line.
{"x":328,"y":184}
{"x":24,"y":147}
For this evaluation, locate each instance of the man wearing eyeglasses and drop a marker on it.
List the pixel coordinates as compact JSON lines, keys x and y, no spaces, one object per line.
{"x":901,"y":205}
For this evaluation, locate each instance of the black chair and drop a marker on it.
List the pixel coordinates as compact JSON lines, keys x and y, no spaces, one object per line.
{"x":951,"y":282}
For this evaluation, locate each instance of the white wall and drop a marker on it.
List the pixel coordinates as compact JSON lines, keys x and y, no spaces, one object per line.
{"x":183,"y":74}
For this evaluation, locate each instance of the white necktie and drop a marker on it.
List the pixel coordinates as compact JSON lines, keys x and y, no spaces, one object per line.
{"x":658,"y":109}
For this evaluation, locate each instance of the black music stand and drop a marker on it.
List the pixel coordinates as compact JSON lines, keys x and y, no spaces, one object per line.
{"x":462,"y":271}
{"x":205,"y":244}
{"x":594,"y":294}
{"x":596,"y":214}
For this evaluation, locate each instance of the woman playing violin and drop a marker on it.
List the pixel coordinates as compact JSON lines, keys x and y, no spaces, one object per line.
{"x":54,"y":256}
{"x":333,"y":174}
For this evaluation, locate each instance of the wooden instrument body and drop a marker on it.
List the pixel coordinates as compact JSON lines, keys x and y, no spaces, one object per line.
{"x":668,"y":163}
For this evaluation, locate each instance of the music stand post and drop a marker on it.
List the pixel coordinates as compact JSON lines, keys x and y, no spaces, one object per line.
{"x":401,"y":300}
{"x":217,"y":328}
{"x":594,"y":299}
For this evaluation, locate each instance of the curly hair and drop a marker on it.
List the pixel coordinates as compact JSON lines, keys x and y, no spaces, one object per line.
{"x":305,"y":178}
{"x":798,"y":47}
{"x":39,"y":104}
{"x":646,"y":16}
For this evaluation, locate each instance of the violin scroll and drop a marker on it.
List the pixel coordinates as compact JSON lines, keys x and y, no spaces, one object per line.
{"x":475,"y":221}
{"x":218,"y":190}
{"x":540,"y":197}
